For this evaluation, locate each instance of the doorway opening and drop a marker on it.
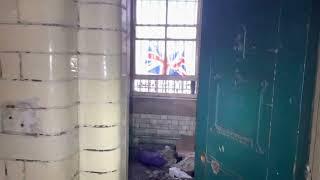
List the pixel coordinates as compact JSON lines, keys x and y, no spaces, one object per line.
{"x":165,"y":40}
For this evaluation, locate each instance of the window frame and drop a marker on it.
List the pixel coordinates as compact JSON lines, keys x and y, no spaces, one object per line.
{"x":192,"y":78}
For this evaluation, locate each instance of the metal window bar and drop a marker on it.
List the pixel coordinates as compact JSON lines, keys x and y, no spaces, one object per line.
{"x":171,"y":87}
{"x":164,"y":85}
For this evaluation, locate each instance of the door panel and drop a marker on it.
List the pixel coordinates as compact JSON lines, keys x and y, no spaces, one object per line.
{"x":241,"y":83}
{"x":250,"y":92}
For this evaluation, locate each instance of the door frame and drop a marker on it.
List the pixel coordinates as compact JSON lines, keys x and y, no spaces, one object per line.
{"x":313,"y":167}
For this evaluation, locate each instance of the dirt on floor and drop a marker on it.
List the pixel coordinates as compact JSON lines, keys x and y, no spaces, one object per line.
{"x":139,"y":171}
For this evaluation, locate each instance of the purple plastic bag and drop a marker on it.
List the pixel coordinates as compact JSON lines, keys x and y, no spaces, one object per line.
{"x":150,"y":158}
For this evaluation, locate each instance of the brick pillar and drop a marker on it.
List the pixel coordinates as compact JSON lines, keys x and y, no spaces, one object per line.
{"x":100,"y":56}
{"x":38,"y":91}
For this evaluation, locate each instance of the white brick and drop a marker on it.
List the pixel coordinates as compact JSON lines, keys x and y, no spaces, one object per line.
{"x":163,"y":132}
{"x":53,"y":67}
{"x":184,"y":128}
{"x":96,"y":176}
{"x":116,"y":2}
{"x":154,"y":121}
{"x":173,"y":117}
{"x":93,"y":91}
{"x":184,"y":118}
{"x":144,"y":116}
{"x":38,"y":94}
{"x":163,"y":127}
{"x":53,"y":121}
{"x":144,"y":121}
{"x":144,"y":131}
{"x":39,"y":121}
{"x":76,"y":177}
{"x":15,"y":170}
{"x":174,"y":122}
{"x":176,"y":127}
{"x":36,"y":38}
{"x":143,"y":125}
{"x":8,"y":11}
{"x":150,"y":116}
{"x":60,"y":170}
{"x":100,"y":138}
{"x":2,"y":170}
{"x":99,"y":67}
{"x":182,"y":132}
{"x":99,"y":42}
{"x":10,"y":65}
{"x":166,"y":122}
{"x":48,"y":11}
{"x":164,"y":117}
{"x":42,"y":148}
{"x":100,"y":114}
{"x":135,"y":115}
{"x":100,"y":16}
{"x":105,"y":161}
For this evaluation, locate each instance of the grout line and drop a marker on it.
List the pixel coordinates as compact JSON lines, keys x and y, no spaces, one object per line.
{"x":102,"y":150}
{"x":100,"y":126}
{"x":76,"y":27}
{"x":40,"y":80}
{"x":75,"y":53}
{"x":24,"y":170}
{"x":101,"y":3}
{"x":5,"y":168}
{"x":8,"y":106}
{"x":20,"y":67}
{"x":1,"y":71}
{"x":95,"y":172}
{"x":38,"y":135}
{"x":69,"y":157}
{"x":18,"y":12}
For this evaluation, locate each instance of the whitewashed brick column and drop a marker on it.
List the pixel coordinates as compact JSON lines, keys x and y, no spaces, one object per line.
{"x":100,"y":82}
{"x":38,"y":91}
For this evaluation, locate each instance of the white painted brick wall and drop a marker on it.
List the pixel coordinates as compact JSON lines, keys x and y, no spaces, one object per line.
{"x":100,"y":176}
{"x":2,"y":170}
{"x":100,"y":96}
{"x":38,"y":113}
{"x":48,"y":65}
{"x":160,"y":127}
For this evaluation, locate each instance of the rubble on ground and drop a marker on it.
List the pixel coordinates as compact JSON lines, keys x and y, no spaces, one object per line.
{"x":186,"y":165}
{"x":180,"y":166}
{"x":169,"y":155}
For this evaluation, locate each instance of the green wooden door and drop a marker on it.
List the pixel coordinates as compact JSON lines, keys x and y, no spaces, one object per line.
{"x":255,"y":96}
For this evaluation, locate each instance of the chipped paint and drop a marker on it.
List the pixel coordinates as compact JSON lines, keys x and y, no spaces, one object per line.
{"x":19,"y":117}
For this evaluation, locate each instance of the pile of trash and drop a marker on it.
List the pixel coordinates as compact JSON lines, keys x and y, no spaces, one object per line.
{"x":166,"y":164}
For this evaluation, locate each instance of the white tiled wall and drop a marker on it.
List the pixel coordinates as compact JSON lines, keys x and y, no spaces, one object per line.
{"x":99,"y":45}
{"x":61,"y":105}
{"x":62,"y":12}
{"x":37,"y":38}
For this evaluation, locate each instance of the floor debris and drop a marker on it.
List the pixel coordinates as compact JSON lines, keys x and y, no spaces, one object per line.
{"x":151,"y":158}
{"x":181,"y":168}
{"x":177,"y":173}
{"x":169,"y":155}
{"x":187,"y":164}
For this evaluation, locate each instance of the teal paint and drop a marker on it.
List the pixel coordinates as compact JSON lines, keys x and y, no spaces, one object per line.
{"x":257,"y":70}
